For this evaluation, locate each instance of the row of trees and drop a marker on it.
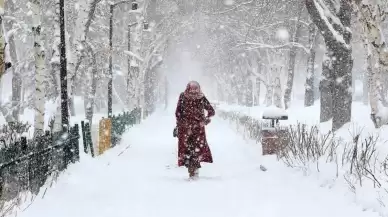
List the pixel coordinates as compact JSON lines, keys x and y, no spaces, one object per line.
{"x":278,"y":44}
{"x":31,"y":40}
{"x":252,"y":46}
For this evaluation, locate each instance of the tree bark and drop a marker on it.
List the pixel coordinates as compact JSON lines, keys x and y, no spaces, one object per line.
{"x":4,"y":64}
{"x":269,"y":91}
{"x":257,"y":92}
{"x":257,"y":82}
{"x":365,"y":82}
{"x":56,"y":67}
{"x":16,"y":78}
{"x":91,"y":92}
{"x":337,"y":38}
{"x":326,"y":88}
{"x":129,"y":77}
{"x":370,"y":14}
{"x":84,"y":20}
{"x":2,"y":41}
{"x":63,"y":71}
{"x":249,"y":95}
{"x":309,"y":86}
{"x":39,"y":68}
{"x":277,"y":96}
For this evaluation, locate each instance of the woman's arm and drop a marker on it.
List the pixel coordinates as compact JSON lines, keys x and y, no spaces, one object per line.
{"x":179,"y":109}
{"x":208,"y":107}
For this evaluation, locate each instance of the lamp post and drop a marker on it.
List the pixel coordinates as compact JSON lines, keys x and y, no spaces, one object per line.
{"x":110,"y":83}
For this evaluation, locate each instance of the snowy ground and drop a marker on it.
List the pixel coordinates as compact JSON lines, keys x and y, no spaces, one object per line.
{"x":367,"y":195}
{"x":143,"y":181}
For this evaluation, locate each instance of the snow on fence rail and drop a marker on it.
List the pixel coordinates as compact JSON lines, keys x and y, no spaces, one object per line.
{"x":356,"y":164}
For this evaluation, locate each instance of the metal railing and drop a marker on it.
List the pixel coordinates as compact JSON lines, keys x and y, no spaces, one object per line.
{"x":26,"y":164}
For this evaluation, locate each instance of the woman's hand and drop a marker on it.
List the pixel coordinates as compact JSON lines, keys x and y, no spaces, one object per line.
{"x":205,"y":122}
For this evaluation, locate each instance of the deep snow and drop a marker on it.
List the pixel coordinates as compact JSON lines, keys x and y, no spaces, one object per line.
{"x":144,"y":181}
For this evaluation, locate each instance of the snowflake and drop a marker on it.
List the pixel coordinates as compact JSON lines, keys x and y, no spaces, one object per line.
{"x":229,"y":2}
{"x":339,"y":80}
{"x":282,"y":34}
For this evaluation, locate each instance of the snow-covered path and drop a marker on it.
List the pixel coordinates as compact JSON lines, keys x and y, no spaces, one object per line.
{"x":143,"y":181}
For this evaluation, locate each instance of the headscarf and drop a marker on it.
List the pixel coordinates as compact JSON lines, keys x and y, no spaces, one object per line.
{"x":193,"y":90}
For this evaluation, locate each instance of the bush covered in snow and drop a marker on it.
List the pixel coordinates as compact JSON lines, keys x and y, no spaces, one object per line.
{"x":11,"y":133}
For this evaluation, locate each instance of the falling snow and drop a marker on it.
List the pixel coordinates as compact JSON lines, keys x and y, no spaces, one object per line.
{"x":229,"y":2}
{"x":248,"y":57}
{"x":282,"y":34}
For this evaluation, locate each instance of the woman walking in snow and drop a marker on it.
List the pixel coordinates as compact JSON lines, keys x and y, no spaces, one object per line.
{"x":191,"y":120}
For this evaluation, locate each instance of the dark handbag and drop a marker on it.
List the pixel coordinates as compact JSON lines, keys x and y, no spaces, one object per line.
{"x":175,"y":132}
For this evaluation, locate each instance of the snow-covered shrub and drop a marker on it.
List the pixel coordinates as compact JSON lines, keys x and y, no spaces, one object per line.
{"x":12,"y":132}
{"x":306,"y":145}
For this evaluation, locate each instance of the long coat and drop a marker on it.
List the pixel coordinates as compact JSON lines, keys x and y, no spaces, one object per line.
{"x":190,"y":114}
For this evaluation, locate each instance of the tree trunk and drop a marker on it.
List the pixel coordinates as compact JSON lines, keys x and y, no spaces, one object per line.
{"x":39,"y":68}
{"x":84,"y":20}
{"x":309,"y":86}
{"x":6,"y":109}
{"x":376,"y":101}
{"x":269,"y":95}
{"x":277,"y":96}
{"x":16,"y":78}
{"x":365,"y":82}
{"x":269,"y":90}
{"x":325,"y":88}
{"x":337,"y":38}
{"x":2,"y":41}
{"x":342,"y":97}
{"x":63,"y":72}
{"x":91,"y":92}
{"x":249,"y":95}
{"x":291,"y":63}
{"x":370,"y":14}
{"x":137,"y":48}
{"x":56,"y":67}
{"x":257,"y":92}
{"x":129,"y":77}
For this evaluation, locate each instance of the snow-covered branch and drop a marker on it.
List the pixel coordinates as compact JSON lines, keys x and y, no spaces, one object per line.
{"x":136,"y":56}
{"x":256,"y":45}
{"x":328,"y":24}
{"x":229,"y":10}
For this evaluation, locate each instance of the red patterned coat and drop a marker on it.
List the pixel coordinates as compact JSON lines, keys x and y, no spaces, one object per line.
{"x":191,"y":117}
